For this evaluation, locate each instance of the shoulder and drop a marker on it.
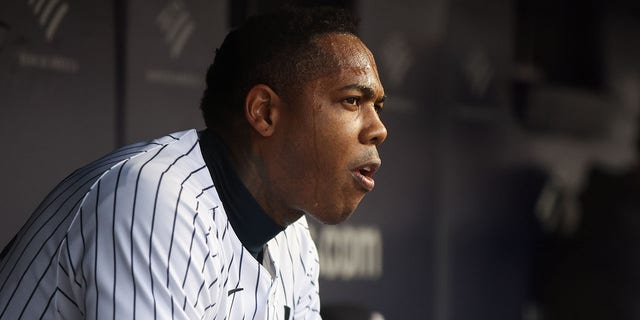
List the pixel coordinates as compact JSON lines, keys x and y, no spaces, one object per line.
{"x":170,"y":160}
{"x":167,"y":151}
{"x":150,"y":178}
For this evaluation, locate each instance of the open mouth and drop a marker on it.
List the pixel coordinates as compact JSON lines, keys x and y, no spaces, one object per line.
{"x":364,"y":175}
{"x":367,"y":171}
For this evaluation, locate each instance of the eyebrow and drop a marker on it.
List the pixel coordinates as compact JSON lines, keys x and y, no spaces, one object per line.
{"x":368,"y":92}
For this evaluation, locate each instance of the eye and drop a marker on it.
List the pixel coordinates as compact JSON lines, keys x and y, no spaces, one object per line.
{"x":377,"y":108}
{"x":353,"y":101}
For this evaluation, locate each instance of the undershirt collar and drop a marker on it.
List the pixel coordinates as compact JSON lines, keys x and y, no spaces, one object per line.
{"x":251,"y":224}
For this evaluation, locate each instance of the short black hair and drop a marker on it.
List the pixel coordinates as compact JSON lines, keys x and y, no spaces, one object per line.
{"x":275,"y":49}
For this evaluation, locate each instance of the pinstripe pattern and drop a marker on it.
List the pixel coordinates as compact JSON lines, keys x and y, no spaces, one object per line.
{"x":141,"y":233}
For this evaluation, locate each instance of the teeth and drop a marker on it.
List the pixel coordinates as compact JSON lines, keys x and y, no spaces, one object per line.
{"x":366,"y":171}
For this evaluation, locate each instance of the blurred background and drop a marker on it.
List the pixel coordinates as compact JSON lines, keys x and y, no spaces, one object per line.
{"x":510,"y":187}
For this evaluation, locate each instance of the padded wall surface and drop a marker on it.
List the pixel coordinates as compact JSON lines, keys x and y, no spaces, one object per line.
{"x":56,"y":89}
{"x":170,"y":44}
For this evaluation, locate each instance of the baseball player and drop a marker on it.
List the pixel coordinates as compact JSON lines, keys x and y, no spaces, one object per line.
{"x":211,"y":224}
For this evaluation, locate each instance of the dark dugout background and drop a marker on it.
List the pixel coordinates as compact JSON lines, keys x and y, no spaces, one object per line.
{"x":509,"y":188}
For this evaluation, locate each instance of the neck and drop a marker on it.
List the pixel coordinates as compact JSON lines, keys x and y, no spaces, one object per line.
{"x":251,"y":168}
{"x":251,"y":224}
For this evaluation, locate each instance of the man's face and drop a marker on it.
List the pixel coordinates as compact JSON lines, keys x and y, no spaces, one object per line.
{"x":330,"y":131}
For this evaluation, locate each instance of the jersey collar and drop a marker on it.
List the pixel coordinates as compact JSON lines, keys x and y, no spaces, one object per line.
{"x":251,"y":224}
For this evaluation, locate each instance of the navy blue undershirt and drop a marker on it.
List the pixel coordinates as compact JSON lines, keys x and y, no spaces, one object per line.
{"x":251,"y":224}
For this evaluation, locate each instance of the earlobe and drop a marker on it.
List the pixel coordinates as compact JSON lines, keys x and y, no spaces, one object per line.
{"x":261,"y":109}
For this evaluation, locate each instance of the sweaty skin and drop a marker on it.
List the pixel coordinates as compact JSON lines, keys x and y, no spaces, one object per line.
{"x":322,"y":151}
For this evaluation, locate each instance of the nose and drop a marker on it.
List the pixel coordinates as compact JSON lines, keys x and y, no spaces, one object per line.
{"x":374,"y":131}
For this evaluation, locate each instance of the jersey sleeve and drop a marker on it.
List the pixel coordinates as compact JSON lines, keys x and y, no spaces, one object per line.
{"x":140,"y":248}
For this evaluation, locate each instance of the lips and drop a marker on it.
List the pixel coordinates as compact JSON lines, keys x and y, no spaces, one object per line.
{"x":363,"y":174}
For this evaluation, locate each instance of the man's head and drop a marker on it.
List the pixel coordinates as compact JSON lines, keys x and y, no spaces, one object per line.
{"x":306,"y":118}
{"x":274,"y":49}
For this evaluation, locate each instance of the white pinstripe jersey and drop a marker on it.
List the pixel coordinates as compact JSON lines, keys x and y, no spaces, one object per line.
{"x":142,"y":233}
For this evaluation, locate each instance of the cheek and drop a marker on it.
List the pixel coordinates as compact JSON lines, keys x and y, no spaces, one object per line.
{"x":328,"y":187}
{"x":325,"y":142}
{"x":334,"y":151}
{"x":338,"y":138}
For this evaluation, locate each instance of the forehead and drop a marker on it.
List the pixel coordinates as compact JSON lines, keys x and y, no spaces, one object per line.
{"x":344,"y":51}
{"x":348,"y":62}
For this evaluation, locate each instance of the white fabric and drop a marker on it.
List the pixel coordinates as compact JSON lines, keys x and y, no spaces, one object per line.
{"x":142,"y":233}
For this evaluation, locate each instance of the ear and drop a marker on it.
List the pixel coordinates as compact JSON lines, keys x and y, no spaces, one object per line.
{"x":261,"y":108}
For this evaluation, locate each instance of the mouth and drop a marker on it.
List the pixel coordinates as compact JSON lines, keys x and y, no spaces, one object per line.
{"x":363,"y":174}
